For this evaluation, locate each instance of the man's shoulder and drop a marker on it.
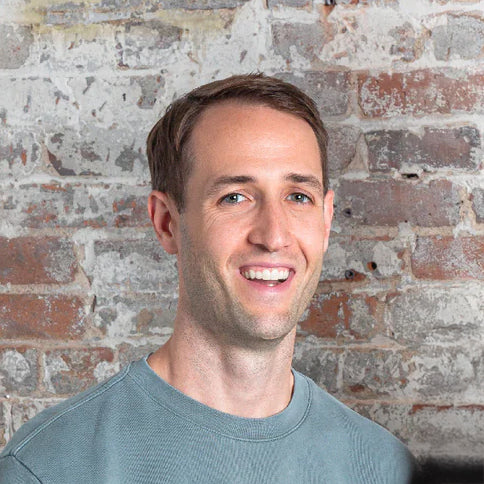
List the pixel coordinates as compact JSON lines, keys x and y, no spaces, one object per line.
{"x":370,"y":445}
{"x":67,"y":416}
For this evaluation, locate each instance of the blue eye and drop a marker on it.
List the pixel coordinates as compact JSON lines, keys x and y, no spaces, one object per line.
{"x":233,"y":198}
{"x":299,"y":198}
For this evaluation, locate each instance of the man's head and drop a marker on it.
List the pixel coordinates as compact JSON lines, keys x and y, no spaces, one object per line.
{"x":168,"y":146}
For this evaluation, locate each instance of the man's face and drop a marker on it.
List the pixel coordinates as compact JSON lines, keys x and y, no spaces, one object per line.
{"x":255,"y":227}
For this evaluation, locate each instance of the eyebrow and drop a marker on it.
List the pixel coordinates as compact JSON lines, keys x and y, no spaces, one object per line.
{"x":224,"y":181}
{"x":310,"y":180}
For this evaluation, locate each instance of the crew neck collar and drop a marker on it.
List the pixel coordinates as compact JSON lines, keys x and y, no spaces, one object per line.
{"x":240,"y":428}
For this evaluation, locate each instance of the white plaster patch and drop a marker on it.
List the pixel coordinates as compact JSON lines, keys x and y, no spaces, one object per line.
{"x":15,"y":365}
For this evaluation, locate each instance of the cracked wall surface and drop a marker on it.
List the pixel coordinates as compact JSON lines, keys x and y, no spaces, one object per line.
{"x":396,"y":327}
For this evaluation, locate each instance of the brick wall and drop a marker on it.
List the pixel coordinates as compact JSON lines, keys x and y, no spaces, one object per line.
{"x":396,"y":328}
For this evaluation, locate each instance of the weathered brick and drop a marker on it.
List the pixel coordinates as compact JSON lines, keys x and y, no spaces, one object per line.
{"x":90,"y":48}
{"x":289,"y":3}
{"x":15,"y":45}
{"x":330,"y":90}
{"x":75,"y":205}
{"x":365,"y":3}
{"x":95,"y":151}
{"x":133,"y":352}
{"x":305,"y":39}
{"x":202,"y":4}
{"x":41,"y":316}
{"x":420,"y":92}
{"x":35,"y":260}
{"x":444,"y":430}
{"x":23,"y":410}
{"x":18,"y":370}
{"x":340,"y":314}
{"x":37,"y":101}
{"x":341,"y":147}
{"x":132,"y":265}
{"x":3,"y":427}
{"x":443,"y":257}
{"x":71,"y":370}
{"x":390,"y":202}
{"x":354,"y":259}
{"x":407,"y":46}
{"x":432,"y":372}
{"x":19,"y":153}
{"x":320,"y":364}
{"x":372,"y":373}
{"x":146,"y":43}
{"x":447,"y":373}
{"x":436,"y":148}
{"x":437,"y":315}
{"x":142,"y":314}
{"x":477,"y":198}
{"x":462,"y":37}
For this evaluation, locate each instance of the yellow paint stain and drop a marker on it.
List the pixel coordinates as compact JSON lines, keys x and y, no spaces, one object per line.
{"x":193,"y":20}
{"x":35,"y":13}
{"x":87,"y":32}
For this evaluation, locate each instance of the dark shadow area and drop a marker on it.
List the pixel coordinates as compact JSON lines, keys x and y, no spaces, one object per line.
{"x":434,"y":471}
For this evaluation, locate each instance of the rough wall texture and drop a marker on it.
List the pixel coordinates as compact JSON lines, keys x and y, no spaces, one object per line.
{"x":396,"y":329}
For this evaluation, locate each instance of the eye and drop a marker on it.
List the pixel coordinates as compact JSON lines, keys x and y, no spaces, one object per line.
{"x":299,"y":198}
{"x":233,"y":198}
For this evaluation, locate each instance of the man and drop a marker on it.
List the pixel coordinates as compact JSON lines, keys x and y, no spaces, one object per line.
{"x":240,"y":196}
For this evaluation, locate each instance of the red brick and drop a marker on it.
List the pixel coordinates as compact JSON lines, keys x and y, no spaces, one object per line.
{"x":76,"y":205}
{"x":342,"y":141}
{"x":330,"y":90}
{"x":72,"y":370}
{"x":449,"y":258}
{"x":333,"y":315}
{"x":130,"y":211}
{"x":41,"y":316}
{"x":30,"y":260}
{"x":390,"y":202}
{"x":420,"y":92}
{"x":436,"y":148}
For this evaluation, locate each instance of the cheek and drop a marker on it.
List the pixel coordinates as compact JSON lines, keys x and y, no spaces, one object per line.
{"x":311,"y":238}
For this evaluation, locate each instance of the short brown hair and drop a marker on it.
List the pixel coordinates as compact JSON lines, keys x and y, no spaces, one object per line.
{"x":167,"y":143}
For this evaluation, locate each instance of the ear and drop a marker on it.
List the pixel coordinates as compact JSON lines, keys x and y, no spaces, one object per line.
{"x":327,"y":216}
{"x":165,"y":217}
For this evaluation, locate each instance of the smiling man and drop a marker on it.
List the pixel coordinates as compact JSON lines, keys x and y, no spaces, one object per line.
{"x":240,"y":196}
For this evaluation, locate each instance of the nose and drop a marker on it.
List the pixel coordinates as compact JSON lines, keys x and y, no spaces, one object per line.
{"x":270,"y":228}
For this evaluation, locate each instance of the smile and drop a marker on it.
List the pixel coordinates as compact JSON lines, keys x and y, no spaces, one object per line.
{"x":268,"y":276}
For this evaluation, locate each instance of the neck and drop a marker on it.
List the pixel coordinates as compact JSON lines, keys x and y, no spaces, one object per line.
{"x":246,"y":382}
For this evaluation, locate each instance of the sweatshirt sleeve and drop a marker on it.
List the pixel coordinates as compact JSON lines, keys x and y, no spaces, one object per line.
{"x":12,"y":471}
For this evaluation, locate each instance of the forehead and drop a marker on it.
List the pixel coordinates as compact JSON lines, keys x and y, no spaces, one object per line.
{"x":233,"y":133}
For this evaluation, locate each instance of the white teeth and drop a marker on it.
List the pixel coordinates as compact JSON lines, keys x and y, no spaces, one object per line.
{"x":267,"y":274}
